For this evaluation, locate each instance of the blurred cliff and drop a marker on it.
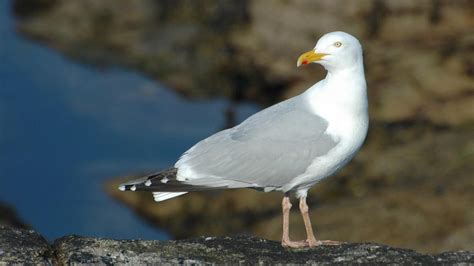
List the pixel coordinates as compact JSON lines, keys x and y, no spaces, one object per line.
{"x":9,"y":217}
{"x":411,"y":185}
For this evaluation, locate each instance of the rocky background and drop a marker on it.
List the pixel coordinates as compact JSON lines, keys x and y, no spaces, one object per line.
{"x":412,"y":183}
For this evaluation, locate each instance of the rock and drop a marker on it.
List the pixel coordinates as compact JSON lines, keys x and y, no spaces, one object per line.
{"x":233,"y":250}
{"x":23,"y":246}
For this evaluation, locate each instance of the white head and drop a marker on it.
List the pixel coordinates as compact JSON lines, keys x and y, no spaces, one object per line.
{"x":335,"y":51}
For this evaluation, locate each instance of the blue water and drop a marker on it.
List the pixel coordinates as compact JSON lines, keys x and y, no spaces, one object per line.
{"x":65,"y":128}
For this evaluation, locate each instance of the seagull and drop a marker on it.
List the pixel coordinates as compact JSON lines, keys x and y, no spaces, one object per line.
{"x":287,"y":147}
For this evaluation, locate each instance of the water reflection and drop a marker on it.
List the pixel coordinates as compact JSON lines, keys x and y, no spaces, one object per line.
{"x":65,"y":128}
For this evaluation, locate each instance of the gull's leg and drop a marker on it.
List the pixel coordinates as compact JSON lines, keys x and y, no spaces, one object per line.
{"x":285,"y":240}
{"x":309,"y":229}
{"x":307,"y":222}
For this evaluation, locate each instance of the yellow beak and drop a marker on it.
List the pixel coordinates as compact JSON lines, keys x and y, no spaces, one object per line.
{"x":309,"y":57}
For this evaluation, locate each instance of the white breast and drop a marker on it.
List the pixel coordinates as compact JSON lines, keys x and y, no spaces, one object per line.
{"x":345,"y":109}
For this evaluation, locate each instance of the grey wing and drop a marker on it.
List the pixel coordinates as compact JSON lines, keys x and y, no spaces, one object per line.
{"x":268,"y":149}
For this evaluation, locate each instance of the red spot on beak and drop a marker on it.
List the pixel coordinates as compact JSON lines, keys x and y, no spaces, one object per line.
{"x":305,"y":62}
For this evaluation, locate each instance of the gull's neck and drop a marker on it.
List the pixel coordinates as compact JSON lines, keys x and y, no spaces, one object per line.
{"x":352,"y":75}
{"x":343,"y":89}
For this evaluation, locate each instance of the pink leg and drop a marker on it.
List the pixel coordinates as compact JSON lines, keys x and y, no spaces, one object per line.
{"x":285,"y":240}
{"x":307,"y":222}
{"x":311,"y":240}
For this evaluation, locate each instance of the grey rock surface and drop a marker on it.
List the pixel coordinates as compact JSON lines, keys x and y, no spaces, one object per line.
{"x":26,"y":246}
{"x":22,"y":246}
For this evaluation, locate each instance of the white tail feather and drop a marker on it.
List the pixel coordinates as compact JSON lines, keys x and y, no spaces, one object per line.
{"x":162,"y":196}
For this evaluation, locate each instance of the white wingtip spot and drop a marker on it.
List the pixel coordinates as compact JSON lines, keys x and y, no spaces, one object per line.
{"x":164,"y":180}
{"x":148,"y":183}
{"x":121,"y":188}
{"x":133,"y":188}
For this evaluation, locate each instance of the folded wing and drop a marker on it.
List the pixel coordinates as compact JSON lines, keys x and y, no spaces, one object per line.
{"x":267,"y":150}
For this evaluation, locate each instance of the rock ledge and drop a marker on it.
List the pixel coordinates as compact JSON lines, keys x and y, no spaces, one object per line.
{"x":26,"y":246}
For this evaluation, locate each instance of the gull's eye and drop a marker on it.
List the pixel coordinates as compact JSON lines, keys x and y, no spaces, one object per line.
{"x":337,"y":44}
